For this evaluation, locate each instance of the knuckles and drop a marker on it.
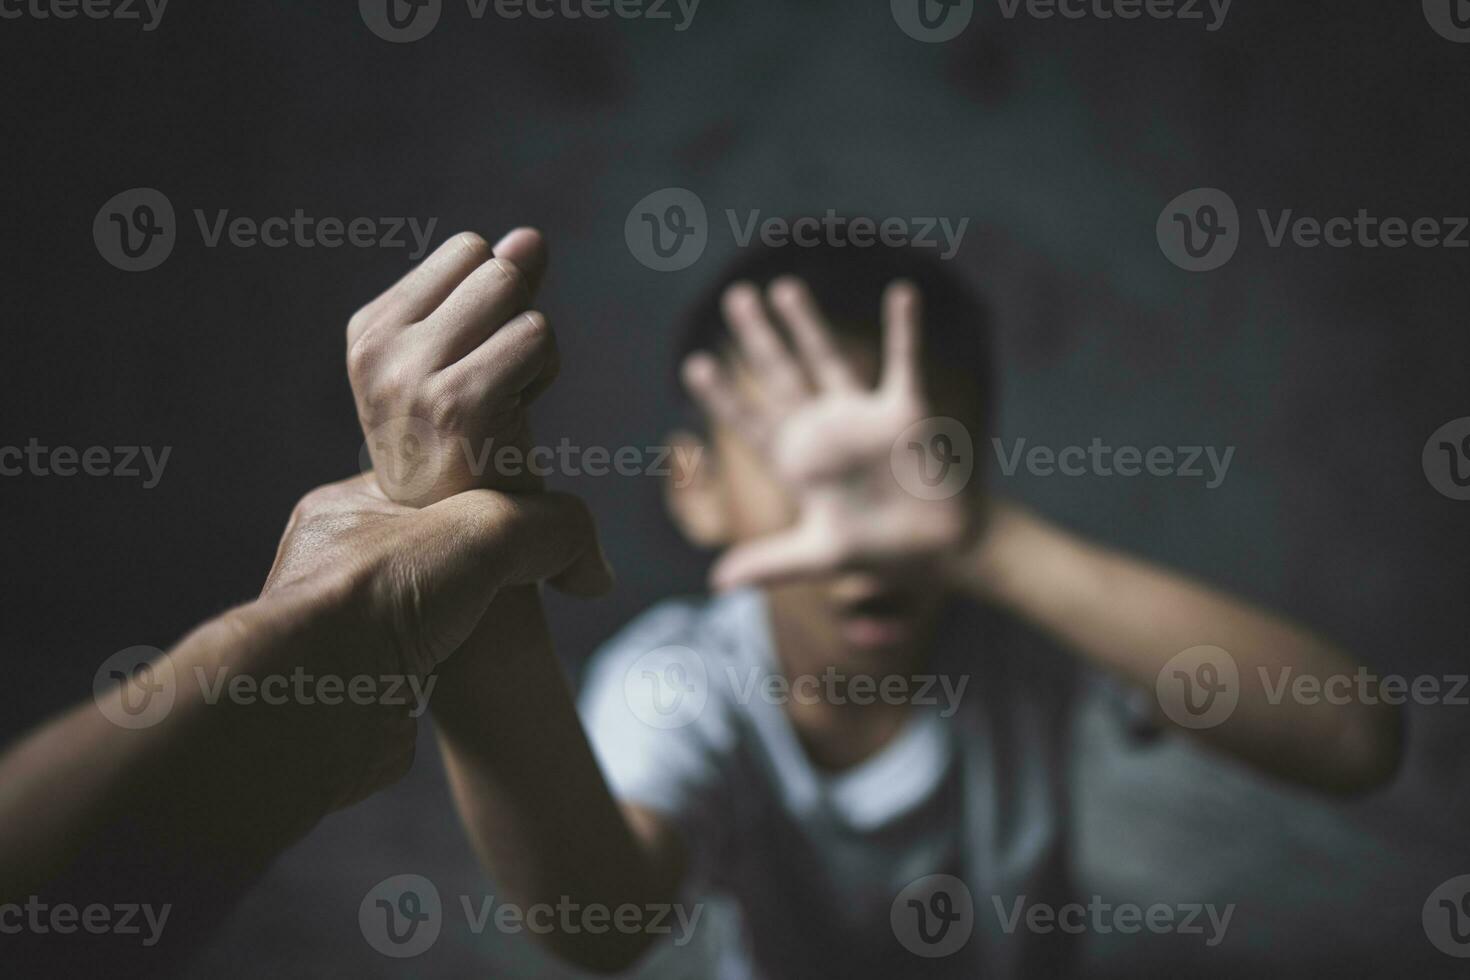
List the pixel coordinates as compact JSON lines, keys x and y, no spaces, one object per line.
{"x":363,"y":355}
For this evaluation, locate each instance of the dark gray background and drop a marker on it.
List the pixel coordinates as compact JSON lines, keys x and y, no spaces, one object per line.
{"x":1327,"y":369}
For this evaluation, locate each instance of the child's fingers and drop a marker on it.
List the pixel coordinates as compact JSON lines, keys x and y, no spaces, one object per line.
{"x":798,"y":553}
{"x":424,"y":287}
{"x":711,"y":387}
{"x":522,"y":355}
{"x":520,"y":358}
{"x":791,"y":298}
{"x":770,"y":362}
{"x":487,"y":298}
{"x":901,"y":312}
{"x":526,"y":249}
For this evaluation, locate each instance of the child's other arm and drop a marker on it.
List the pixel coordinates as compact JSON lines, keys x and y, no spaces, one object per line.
{"x":1132,"y":618}
{"x":842,"y":450}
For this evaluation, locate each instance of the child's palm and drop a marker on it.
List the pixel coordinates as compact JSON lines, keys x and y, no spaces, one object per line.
{"x":838,"y":446}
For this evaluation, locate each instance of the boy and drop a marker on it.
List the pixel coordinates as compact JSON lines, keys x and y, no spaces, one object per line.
{"x":862,"y":829}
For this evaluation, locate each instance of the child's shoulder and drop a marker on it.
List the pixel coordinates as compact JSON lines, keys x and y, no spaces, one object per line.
{"x":670,"y":670}
{"x":710,"y":626}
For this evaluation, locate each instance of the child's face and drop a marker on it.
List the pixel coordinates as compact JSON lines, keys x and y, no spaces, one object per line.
{"x":861,"y":622}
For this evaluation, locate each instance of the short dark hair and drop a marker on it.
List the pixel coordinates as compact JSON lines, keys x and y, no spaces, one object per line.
{"x":848,"y":282}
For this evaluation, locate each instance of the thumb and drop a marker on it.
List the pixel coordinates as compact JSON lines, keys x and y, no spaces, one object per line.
{"x":464,"y":549}
{"x":523,"y":539}
{"x":798,"y":553}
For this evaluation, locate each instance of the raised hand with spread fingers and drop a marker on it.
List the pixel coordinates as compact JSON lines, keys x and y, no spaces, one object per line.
{"x":840,"y":447}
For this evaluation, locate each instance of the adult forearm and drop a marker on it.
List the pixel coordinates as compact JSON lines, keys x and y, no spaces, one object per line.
{"x":211,"y":776}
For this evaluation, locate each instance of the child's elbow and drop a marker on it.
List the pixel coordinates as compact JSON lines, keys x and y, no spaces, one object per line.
{"x":606,"y":954}
{"x":1371,"y":751}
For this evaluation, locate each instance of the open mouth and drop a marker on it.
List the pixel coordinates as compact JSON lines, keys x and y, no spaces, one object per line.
{"x":880,"y":619}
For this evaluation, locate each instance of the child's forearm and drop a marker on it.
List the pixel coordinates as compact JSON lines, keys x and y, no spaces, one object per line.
{"x":528,"y":787}
{"x":1132,"y":618}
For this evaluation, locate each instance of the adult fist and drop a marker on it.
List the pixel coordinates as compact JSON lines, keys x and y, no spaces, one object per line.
{"x":413,"y":583}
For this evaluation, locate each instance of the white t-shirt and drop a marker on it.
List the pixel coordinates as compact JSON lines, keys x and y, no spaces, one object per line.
{"x":684,"y":710}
